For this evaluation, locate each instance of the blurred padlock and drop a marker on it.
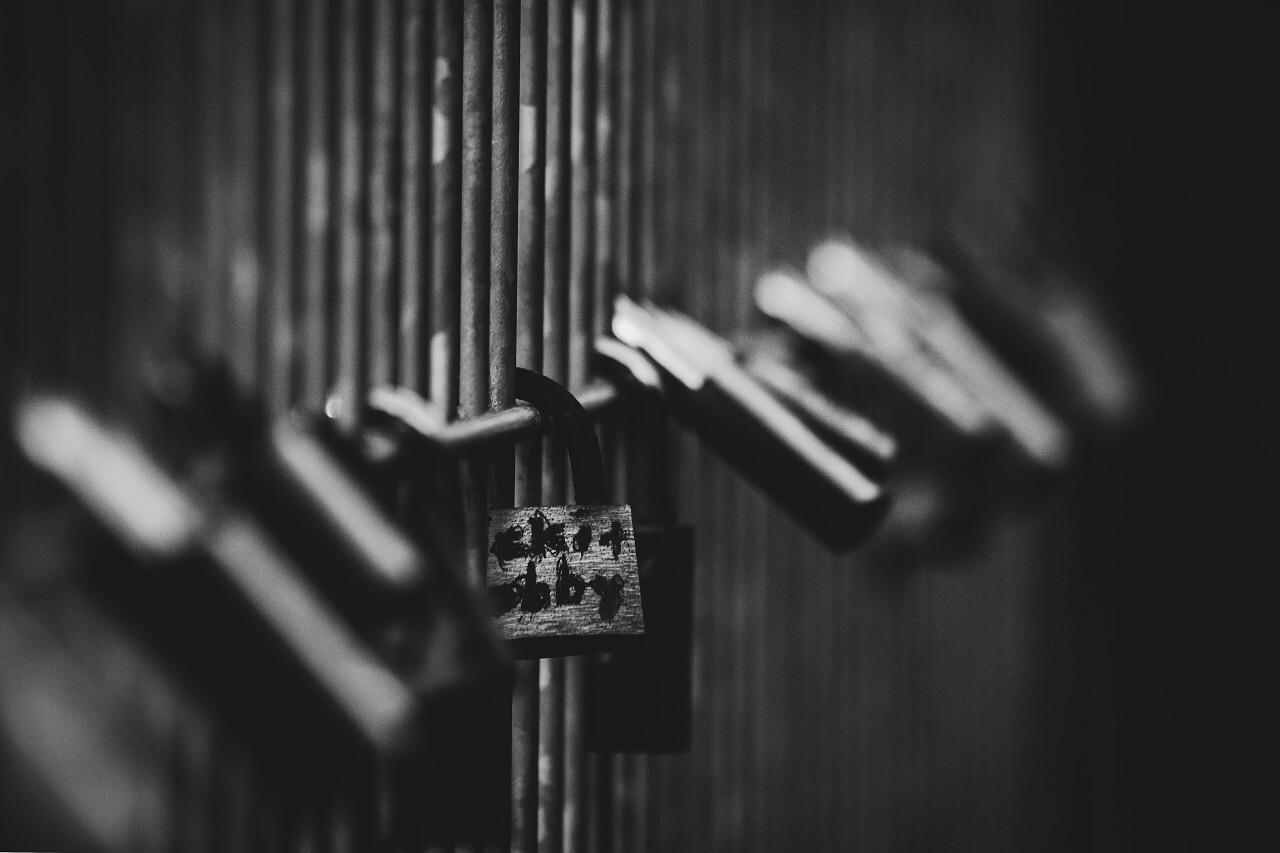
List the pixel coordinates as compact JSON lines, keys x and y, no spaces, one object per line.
{"x":770,"y":360}
{"x":1011,"y":273}
{"x":711,"y":393}
{"x":863,"y":286}
{"x":565,"y":580}
{"x":888,"y":364}
{"x":415,"y":688}
{"x":313,"y":489}
{"x":952,"y":451}
{"x":213,"y":587}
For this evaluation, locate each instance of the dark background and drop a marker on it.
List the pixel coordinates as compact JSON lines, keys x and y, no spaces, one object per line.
{"x":1171,"y":111}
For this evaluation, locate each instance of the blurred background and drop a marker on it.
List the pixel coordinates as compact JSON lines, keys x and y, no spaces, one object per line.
{"x":334,"y":194}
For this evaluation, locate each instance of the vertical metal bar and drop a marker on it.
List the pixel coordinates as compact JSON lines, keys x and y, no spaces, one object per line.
{"x":349,"y":339}
{"x":575,"y":760}
{"x":643,"y":254}
{"x":775,"y":31}
{"x":381,"y":273}
{"x":503,"y":219}
{"x":755,"y":515}
{"x":580,"y":336}
{"x":413,"y":280}
{"x":240,"y":97}
{"x":684,"y":196}
{"x":142,"y":174}
{"x":629,"y":470}
{"x":279,"y":210}
{"x":551,"y":728}
{"x":531,"y":227}
{"x":848,"y":718}
{"x":446,"y":206}
{"x":312,"y":321}
{"x":556,"y":191}
{"x":473,"y":327}
{"x":315,"y":274}
{"x":502,"y":360}
{"x":582,"y":190}
{"x":551,"y":747}
{"x":15,"y":38}
{"x":239,"y":175}
{"x":605,"y":269}
{"x":74,"y":191}
{"x":211,"y":307}
{"x":647,"y":475}
{"x":813,"y":176}
{"x":477,"y":95}
{"x":627,"y":122}
{"x":716,"y":493}
{"x":646,"y":105}
{"x":604,"y":274}
{"x":381,"y":253}
{"x":530,"y":254}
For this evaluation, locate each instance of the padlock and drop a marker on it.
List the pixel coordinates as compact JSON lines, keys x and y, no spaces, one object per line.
{"x":771,"y":359}
{"x":883,"y":360}
{"x":862,"y":284}
{"x":1008,"y":271}
{"x":641,"y":699}
{"x":210,"y":585}
{"x":564,"y":580}
{"x":312,"y":487}
{"x":950,"y":444}
{"x":710,"y":393}
{"x":223,"y":592}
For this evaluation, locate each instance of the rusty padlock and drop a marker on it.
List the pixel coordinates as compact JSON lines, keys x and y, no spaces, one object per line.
{"x":564,"y":580}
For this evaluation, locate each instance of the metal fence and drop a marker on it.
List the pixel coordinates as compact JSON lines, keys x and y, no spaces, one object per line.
{"x":338,"y":194}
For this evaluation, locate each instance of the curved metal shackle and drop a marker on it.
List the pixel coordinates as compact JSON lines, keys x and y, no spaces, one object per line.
{"x":574,"y":427}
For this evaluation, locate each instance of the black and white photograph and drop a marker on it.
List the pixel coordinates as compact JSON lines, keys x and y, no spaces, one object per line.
{"x":639,"y":426}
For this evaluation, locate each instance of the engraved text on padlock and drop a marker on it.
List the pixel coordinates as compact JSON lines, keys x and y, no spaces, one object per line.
{"x":564,"y":571}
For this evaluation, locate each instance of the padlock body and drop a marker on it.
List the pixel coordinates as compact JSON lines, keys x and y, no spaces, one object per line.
{"x":564,"y":579}
{"x":640,"y":699}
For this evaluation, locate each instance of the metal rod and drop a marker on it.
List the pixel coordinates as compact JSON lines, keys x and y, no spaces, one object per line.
{"x":582,"y":190}
{"x":605,"y":267}
{"x":503,"y":214}
{"x":211,"y":309}
{"x":413,"y":280}
{"x":446,"y":207}
{"x":580,"y":337}
{"x":644,"y":261}
{"x":630,"y":437}
{"x":600,"y":794}
{"x":646,"y":165}
{"x":490,"y":429}
{"x":381,"y":253}
{"x":555,"y":364}
{"x":477,"y":98}
{"x":531,"y":213}
{"x":240,"y":177}
{"x":314,"y":272}
{"x":280,"y":207}
{"x":347,"y":344}
{"x":473,"y":325}
{"x":624,"y":104}
{"x":529,"y":73}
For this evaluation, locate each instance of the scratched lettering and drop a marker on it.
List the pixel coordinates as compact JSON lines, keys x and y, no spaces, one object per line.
{"x":614,"y":538}
{"x":533,"y":539}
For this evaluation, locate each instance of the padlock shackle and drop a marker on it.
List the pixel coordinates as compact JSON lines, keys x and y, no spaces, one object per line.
{"x":574,"y":427}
